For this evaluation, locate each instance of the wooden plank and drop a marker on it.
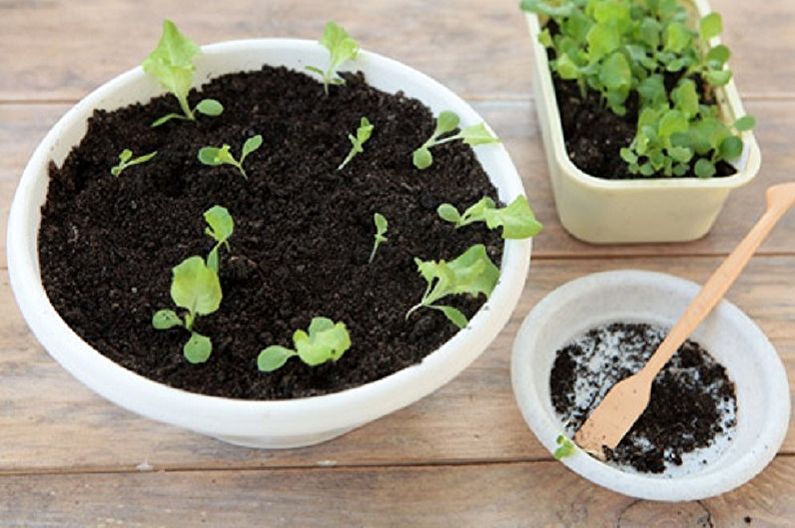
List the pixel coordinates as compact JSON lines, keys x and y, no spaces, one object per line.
{"x":497,"y":495}
{"x":479,"y":49}
{"x":22,"y":126}
{"x":49,"y":422}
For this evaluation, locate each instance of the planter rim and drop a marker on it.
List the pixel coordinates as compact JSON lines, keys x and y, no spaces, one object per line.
{"x":345,"y":408}
{"x":729,"y":101}
{"x":724,"y":473}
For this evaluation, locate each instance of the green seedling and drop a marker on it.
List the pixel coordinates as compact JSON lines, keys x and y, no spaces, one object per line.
{"x":220,"y":226}
{"x":341,"y":48}
{"x":516,"y":219}
{"x":381,"y":226}
{"x":171,"y":63}
{"x":471,"y":273}
{"x":566,"y":448}
{"x":126,"y":160}
{"x":196,"y":289}
{"x":616,"y":47}
{"x":363,"y":133}
{"x":215,"y":156}
{"x":326,"y":341}
{"x":446,"y":123}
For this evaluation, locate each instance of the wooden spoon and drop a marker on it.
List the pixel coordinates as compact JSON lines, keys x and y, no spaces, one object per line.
{"x":626,"y":401}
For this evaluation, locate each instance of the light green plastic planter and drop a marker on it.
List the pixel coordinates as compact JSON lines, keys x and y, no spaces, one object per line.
{"x":605,"y":211}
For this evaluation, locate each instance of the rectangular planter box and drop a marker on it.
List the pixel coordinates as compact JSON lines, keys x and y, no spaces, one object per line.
{"x":605,"y":211}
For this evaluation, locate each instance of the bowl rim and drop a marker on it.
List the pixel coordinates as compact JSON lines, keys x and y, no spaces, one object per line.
{"x":334,"y":410}
{"x":689,"y":487}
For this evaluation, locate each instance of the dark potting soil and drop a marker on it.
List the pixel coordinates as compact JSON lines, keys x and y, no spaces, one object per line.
{"x":692,"y":399}
{"x":594,"y":135}
{"x":303,"y":232}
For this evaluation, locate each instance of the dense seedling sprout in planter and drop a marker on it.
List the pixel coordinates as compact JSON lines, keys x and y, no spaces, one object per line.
{"x":447,"y":122}
{"x":618,"y":48}
{"x":195,"y":287}
{"x":341,"y":48}
{"x":381,"y":226}
{"x":215,"y":156}
{"x":326,"y":341}
{"x":220,"y":226}
{"x":126,"y":160}
{"x":566,"y":448}
{"x":363,"y":133}
{"x":471,"y":273}
{"x":516,"y":219}
{"x":171,"y":63}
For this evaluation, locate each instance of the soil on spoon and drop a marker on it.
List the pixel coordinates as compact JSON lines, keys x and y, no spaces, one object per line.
{"x":303,"y":232}
{"x":692,"y":399}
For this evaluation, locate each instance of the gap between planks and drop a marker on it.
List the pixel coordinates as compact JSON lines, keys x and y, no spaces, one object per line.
{"x":317,"y":467}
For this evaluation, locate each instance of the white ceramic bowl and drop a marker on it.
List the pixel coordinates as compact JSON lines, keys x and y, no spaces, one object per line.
{"x":272,"y":424}
{"x":763,"y":397}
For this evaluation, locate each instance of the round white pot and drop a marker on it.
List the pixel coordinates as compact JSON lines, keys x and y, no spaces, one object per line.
{"x":271,"y":424}
{"x":734,"y":340}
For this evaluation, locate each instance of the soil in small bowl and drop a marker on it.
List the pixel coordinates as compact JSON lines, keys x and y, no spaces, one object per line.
{"x":693,"y":404}
{"x":594,"y":135}
{"x":303,"y":232}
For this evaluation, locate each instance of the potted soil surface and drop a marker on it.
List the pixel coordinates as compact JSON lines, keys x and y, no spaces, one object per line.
{"x":591,"y":149}
{"x":278,"y":256}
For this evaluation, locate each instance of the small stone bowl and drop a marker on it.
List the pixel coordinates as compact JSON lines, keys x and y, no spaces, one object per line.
{"x":730,"y":336}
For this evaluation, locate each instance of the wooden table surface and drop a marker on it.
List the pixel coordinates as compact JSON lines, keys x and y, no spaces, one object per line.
{"x":462,"y":456}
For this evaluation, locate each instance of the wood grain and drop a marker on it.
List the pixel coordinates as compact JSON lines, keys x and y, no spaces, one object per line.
{"x":49,"y":422}
{"x":56,"y":49}
{"x":495,"y":495}
{"x":23,"y":126}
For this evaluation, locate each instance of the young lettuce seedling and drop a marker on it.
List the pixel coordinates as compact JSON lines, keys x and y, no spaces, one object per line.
{"x":566,"y":448}
{"x":381,"y":226}
{"x":341,"y":48}
{"x":171,"y":63}
{"x":517,"y":219}
{"x":220,"y":226}
{"x":326,"y":341}
{"x":363,"y":133}
{"x":215,"y":156}
{"x":126,"y":160}
{"x":472,"y":273}
{"x":195,"y":288}
{"x":447,"y":122}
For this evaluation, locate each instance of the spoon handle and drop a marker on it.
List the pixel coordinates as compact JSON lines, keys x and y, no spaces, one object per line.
{"x":720,"y":281}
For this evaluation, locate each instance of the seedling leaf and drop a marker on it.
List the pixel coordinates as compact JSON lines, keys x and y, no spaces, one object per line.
{"x":209,"y":107}
{"x":745,"y":123}
{"x":198,"y":348}
{"x":566,"y":448}
{"x":341,"y":48}
{"x":363,"y":133}
{"x":126,"y":160}
{"x":195,"y":287}
{"x":274,"y":357}
{"x":251,"y":145}
{"x":711,"y":26}
{"x":447,"y":122}
{"x":325,"y":341}
{"x":381,"y":226}
{"x":517,"y":220}
{"x":471,"y":273}
{"x":166,"y":319}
